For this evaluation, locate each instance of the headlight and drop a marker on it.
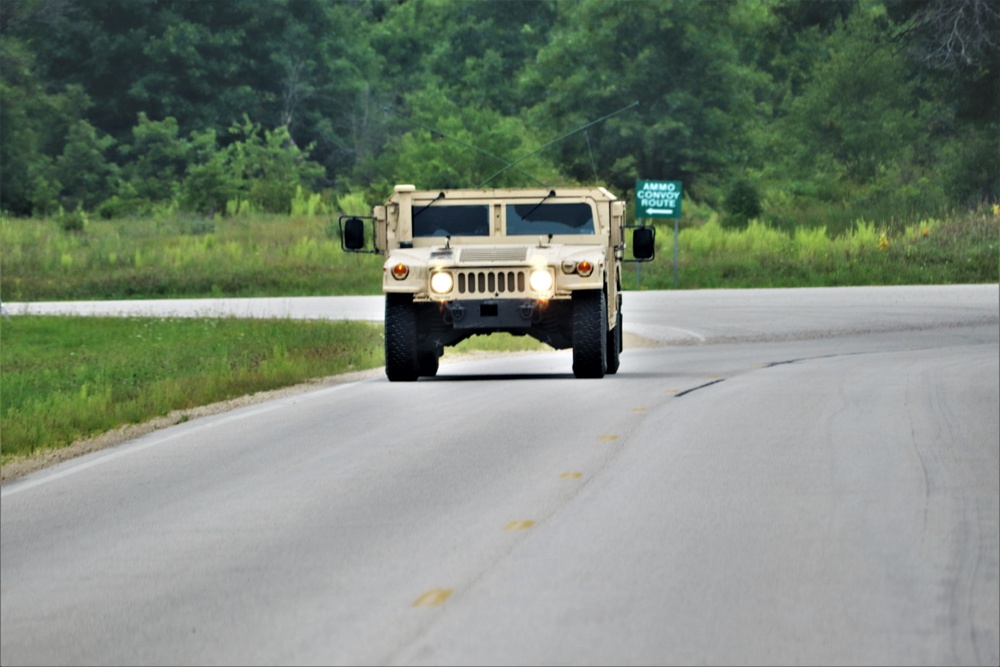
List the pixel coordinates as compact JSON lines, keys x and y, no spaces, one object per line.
{"x":540,"y":280}
{"x":442,"y":282}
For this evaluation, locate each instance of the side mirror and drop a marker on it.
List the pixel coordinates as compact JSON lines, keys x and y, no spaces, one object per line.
{"x":643,"y":243}
{"x":354,"y":234}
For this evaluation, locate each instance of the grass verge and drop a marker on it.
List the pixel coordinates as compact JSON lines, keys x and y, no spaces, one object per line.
{"x":65,"y":378}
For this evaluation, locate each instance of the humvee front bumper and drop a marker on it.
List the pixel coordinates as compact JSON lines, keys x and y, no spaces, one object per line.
{"x":493,"y":314}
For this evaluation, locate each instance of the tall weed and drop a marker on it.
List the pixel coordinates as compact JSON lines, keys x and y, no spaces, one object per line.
{"x":964,"y":249}
{"x":241,"y":256}
{"x":811,"y":244}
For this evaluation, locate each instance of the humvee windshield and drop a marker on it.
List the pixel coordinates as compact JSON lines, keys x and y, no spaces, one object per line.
{"x":467,"y":220}
{"x":534,"y":219}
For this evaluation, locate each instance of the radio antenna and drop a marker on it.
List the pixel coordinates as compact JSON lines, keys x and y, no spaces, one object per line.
{"x":546,"y":145}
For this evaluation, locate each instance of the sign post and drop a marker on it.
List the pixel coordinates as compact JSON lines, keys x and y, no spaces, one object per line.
{"x":660,"y":199}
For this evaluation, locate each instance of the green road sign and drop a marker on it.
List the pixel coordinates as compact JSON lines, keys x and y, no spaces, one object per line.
{"x":657,"y":199}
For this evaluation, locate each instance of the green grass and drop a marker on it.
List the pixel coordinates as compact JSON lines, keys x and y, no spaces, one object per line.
{"x":65,"y":378}
{"x":497,"y":342}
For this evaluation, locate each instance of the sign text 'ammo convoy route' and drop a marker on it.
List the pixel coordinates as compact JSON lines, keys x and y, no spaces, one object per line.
{"x":657,"y":199}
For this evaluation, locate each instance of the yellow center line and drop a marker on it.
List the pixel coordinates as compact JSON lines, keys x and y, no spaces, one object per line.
{"x":609,"y":438}
{"x":433,"y":598}
{"x":571,"y":475}
{"x":638,"y":409}
{"x":519,"y":525}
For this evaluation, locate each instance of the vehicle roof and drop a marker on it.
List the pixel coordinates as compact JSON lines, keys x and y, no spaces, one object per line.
{"x":597,"y":193}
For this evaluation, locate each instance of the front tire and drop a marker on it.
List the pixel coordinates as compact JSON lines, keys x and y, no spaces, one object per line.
{"x":400,"y":338}
{"x":590,"y":334}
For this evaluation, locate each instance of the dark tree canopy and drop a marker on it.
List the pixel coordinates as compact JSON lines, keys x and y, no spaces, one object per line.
{"x":883,"y":103}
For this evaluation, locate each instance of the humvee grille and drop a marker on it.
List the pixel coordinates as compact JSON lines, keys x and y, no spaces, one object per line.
{"x":494,"y":254}
{"x":491,"y":282}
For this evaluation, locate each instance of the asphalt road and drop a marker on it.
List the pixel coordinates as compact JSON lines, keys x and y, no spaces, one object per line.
{"x":791,"y":477}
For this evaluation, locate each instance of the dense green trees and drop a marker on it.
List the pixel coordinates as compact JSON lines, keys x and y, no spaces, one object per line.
{"x":871,"y":107}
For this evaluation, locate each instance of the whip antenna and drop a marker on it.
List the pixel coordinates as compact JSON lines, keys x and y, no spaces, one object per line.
{"x":546,"y":145}
{"x":434,"y":130}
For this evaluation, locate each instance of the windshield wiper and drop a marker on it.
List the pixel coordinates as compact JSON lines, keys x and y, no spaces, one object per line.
{"x":552,"y":193}
{"x":440,"y":196}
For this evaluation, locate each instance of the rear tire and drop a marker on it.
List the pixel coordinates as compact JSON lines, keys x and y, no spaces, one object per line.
{"x":400,"y":338}
{"x":590,"y":334}
{"x":615,"y":346}
{"x":427,"y":362}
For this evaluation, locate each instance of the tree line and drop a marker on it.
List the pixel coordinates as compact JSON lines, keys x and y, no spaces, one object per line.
{"x":764,"y":108}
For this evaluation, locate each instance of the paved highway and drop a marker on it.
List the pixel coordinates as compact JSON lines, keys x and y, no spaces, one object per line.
{"x":789,"y":477}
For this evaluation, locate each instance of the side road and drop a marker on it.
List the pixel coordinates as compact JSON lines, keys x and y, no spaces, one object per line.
{"x":681,"y":317}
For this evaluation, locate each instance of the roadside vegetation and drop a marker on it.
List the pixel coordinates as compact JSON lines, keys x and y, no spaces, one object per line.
{"x":817,"y":141}
{"x":960,"y":249}
{"x":271,"y":255}
{"x":65,"y":378}
{"x":180,"y":256}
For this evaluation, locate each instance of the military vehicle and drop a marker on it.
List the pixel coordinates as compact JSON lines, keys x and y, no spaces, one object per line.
{"x":541,"y":262}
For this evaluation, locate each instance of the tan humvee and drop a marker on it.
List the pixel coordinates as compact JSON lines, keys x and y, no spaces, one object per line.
{"x":536,"y":262}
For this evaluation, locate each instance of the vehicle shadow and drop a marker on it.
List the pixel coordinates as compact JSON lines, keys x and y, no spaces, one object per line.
{"x":498,"y":376}
{"x":623,"y":375}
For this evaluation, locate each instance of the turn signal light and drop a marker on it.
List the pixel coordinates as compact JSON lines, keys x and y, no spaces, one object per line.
{"x":584,"y":268}
{"x":400,"y":271}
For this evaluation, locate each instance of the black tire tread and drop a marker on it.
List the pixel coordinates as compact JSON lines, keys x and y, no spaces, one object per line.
{"x":615,"y":346}
{"x":590,"y":334}
{"x":400,"y":338}
{"x":428,"y":362}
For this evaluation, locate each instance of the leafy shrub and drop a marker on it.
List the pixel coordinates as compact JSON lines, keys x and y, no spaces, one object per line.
{"x":269,"y":166}
{"x":208,"y":181}
{"x":72,"y":221}
{"x":87,"y":176}
{"x":742,"y":203}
